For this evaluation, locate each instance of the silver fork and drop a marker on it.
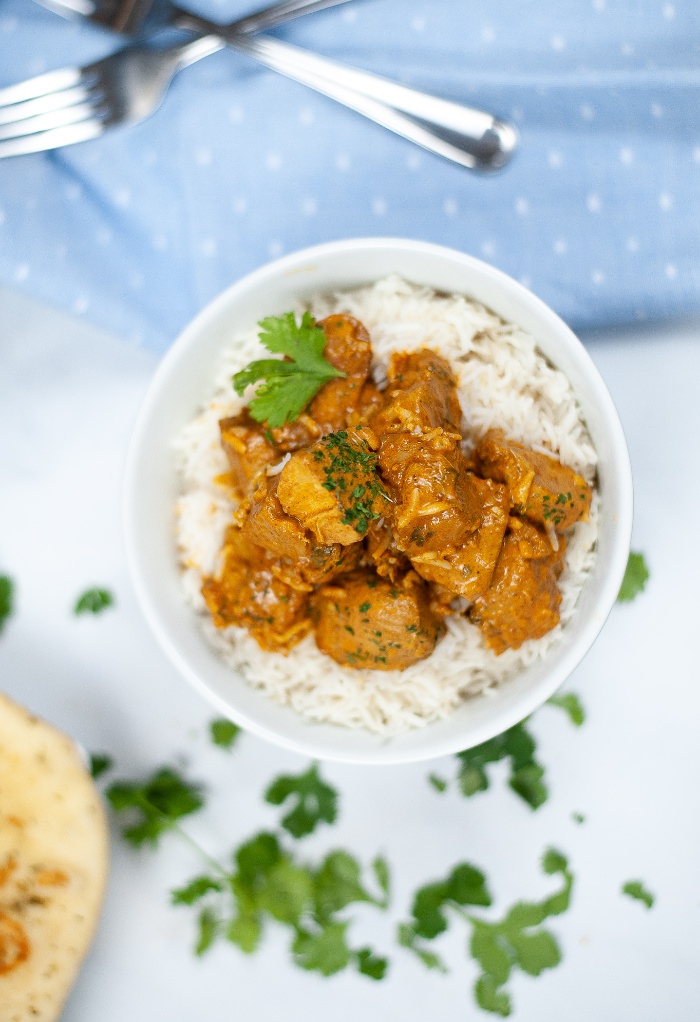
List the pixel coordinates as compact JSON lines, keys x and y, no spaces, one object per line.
{"x":76,"y":104}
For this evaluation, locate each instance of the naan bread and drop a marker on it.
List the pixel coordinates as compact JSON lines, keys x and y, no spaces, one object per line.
{"x":53,"y":865}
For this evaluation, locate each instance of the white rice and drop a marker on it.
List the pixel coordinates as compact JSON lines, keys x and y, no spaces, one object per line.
{"x":503,"y":380}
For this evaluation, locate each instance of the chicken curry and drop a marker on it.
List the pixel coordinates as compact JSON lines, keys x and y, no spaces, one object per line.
{"x":363,"y":521}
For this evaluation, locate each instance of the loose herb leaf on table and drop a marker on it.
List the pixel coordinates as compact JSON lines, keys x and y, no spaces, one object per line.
{"x":7,"y":590}
{"x":636,"y":577}
{"x":287,"y":385}
{"x":313,"y":800}
{"x":93,"y":601}
{"x":636,"y":889}
{"x":224,"y":733}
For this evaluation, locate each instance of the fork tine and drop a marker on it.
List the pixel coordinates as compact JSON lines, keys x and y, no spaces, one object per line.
{"x":52,"y":81}
{"x":43,"y":104}
{"x":49,"y":121}
{"x":53,"y":139}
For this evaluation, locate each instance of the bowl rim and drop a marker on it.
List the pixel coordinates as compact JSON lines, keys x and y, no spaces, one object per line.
{"x":384,"y":752}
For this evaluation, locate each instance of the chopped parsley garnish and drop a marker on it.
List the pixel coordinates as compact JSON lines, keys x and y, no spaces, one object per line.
{"x":93,"y":601}
{"x":288,"y":384}
{"x":517,"y":941}
{"x":636,"y":577}
{"x":351,"y":473}
{"x":224,"y":732}
{"x":364,"y":607}
{"x":7,"y":590}
{"x":636,"y":889}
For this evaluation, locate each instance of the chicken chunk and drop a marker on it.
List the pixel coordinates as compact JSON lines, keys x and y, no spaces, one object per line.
{"x":363,"y":620}
{"x":541,"y":488}
{"x":381,"y":551}
{"x":523,"y":599}
{"x":347,"y":348}
{"x":445,"y":519}
{"x":251,"y":448}
{"x":332,"y":487}
{"x":302,"y":562}
{"x":247,"y":448}
{"x":248,"y":593}
{"x":421,"y":393}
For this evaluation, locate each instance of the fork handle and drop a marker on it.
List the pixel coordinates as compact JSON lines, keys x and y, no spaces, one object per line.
{"x":460,"y":133}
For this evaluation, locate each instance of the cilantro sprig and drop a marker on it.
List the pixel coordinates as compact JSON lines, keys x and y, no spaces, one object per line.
{"x":517,"y":744}
{"x":517,"y":941}
{"x":154,"y":806}
{"x":287,"y":385}
{"x":266,"y":882}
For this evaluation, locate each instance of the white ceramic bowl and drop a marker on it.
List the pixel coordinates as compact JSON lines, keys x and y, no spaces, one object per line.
{"x":184,"y":381}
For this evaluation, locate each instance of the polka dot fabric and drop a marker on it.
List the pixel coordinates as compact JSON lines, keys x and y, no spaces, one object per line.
{"x":599,"y":213}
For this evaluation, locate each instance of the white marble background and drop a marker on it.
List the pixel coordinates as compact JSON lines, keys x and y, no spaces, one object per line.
{"x":68,"y":397}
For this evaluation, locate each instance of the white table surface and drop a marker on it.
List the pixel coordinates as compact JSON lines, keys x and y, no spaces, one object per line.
{"x":68,"y":397}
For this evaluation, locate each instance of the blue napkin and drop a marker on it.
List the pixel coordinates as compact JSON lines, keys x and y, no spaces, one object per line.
{"x":599,"y":213}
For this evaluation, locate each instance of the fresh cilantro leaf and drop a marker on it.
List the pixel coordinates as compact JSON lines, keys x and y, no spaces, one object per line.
{"x":208,"y":925}
{"x":465,"y":885}
{"x":93,"y":601}
{"x":578,"y":818}
{"x":224,"y":733}
{"x":245,"y":931}
{"x":287,"y":386}
{"x":636,"y":577}
{"x":636,"y":889}
{"x":326,"y":952}
{"x":516,"y":744}
{"x":382,"y":873}
{"x":535,"y":951}
{"x":7,"y":591}
{"x":408,"y":938}
{"x":256,"y":858}
{"x":337,"y":884}
{"x":439,"y":783}
{"x":571,"y":704}
{"x":487,"y":949}
{"x":315,"y":801}
{"x":490,"y":998}
{"x":286,"y":892}
{"x":195,"y":890}
{"x":157,"y":804}
{"x":527,"y":782}
{"x":99,"y":764}
{"x":370,"y":964}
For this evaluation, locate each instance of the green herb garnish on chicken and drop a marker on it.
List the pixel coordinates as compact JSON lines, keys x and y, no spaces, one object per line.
{"x":286,"y":385}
